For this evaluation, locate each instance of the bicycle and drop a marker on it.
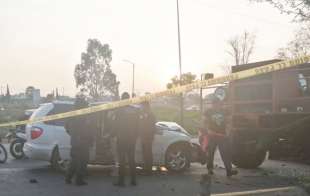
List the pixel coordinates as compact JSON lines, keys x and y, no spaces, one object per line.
{"x":3,"y":153}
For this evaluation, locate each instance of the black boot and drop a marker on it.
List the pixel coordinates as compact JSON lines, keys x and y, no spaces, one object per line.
{"x":231,"y":172}
{"x":133,"y":182}
{"x":68,"y":178}
{"x":80,"y":181}
{"x":120,"y":182}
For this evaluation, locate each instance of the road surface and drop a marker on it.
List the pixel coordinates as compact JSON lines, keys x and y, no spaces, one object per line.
{"x":273,"y":178}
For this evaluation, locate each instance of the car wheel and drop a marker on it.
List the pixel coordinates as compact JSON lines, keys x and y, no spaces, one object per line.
{"x":16,"y":149}
{"x":177,"y":158}
{"x":3,"y":154}
{"x":57,"y":163}
{"x":247,"y":160}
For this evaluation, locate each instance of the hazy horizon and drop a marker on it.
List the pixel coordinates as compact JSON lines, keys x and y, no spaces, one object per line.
{"x":41,"y":40}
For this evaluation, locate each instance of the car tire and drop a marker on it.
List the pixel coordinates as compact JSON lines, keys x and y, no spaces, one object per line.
{"x":57,"y":163}
{"x":177,"y":158}
{"x":246,"y":160}
{"x":3,"y":154}
{"x":16,"y":149}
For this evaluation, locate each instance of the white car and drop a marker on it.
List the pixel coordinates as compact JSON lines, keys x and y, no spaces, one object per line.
{"x":49,"y":141}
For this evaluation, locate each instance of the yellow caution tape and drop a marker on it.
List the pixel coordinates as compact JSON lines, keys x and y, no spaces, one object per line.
{"x":177,"y":90}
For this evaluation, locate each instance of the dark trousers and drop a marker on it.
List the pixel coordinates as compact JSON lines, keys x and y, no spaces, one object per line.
{"x":147,"y":150}
{"x":78,"y":164}
{"x":126,"y":151}
{"x":222,"y":142}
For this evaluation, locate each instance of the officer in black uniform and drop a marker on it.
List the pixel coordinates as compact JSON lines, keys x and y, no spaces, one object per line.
{"x":82,"y":136}
{"x":126,"y":131}
{"x":216,"y":120}
{"x":147,"y":131}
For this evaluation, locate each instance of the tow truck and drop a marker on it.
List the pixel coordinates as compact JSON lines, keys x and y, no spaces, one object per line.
{"x":269,"y":113}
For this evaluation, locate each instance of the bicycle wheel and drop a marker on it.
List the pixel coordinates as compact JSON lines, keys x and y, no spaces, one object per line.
{"x":3,"y":154}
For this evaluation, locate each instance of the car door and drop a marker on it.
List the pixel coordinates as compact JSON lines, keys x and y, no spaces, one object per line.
{"x":157,"y":147}
{"x":61,"y":137}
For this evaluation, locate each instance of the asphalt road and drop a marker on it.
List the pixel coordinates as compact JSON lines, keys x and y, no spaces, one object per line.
{"x":15,"y":177}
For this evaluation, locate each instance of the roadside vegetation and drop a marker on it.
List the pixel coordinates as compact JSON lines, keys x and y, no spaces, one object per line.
{"x":11,"y":112}
{"x":191,"y":118}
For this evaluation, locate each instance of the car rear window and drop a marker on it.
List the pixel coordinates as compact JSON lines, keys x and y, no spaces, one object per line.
{"x":59,"y":108}
{"x":41,"y":111}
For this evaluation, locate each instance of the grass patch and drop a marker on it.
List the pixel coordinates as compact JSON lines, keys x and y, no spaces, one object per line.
{"x":191,"y":118}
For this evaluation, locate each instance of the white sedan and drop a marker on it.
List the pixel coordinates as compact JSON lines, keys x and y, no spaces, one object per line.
{"x":49,"y":141}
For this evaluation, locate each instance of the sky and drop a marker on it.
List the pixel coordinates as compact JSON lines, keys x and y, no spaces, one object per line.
{"x":41,"y":40}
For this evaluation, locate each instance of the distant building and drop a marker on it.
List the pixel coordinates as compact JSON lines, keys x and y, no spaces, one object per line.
{"x":34,"y":98}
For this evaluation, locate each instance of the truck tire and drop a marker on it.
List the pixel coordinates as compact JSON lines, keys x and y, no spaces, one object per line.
{"x":248,"y":160}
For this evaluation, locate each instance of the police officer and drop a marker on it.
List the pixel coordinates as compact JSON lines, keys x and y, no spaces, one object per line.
{"x":216,"y":119}
{"x":126,"y":130}
{"x":81,"y":132}
{"x":147,"y":131}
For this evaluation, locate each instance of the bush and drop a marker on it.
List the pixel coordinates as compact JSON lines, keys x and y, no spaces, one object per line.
{"x":12,"y":112}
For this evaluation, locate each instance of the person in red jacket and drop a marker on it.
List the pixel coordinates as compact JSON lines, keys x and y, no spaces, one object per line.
{"x":216,"y":121}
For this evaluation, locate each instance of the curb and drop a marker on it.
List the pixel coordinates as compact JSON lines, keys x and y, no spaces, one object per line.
{"x":284,"y":191}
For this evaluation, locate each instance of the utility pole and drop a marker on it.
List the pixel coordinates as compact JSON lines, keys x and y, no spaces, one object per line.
{"x":180,"y":66}
{"x":133,"y":77}
{"x":201,"y":97}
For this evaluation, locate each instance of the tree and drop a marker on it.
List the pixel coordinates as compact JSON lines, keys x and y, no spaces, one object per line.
{"x":242,"y":47}
{"x":50,"y":97}
{"x":186,"y":78}
{"x":29,"y":92}
{"x":57,"y":95}
{"x":299,"y":46}
{"x":8,"y":94}
{"x":94,"y":75}
{"x":299,"y":8}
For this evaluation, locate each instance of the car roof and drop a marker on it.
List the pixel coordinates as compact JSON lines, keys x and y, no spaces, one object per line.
{"x":29,"y":112}
{"x":58,"y":103}
{"x":63,"y":102}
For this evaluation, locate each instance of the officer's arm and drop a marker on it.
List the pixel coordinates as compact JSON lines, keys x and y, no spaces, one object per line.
{"x":153,"y":122}
{"x":68,"y":125}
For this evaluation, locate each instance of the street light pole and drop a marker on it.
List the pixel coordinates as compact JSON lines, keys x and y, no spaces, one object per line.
{"x":180,"y":64}
{"x":201,"y":97}
{"x":133,"y":77}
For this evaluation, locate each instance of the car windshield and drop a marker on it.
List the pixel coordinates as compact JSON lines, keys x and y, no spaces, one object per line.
{"x":40,"y":111}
